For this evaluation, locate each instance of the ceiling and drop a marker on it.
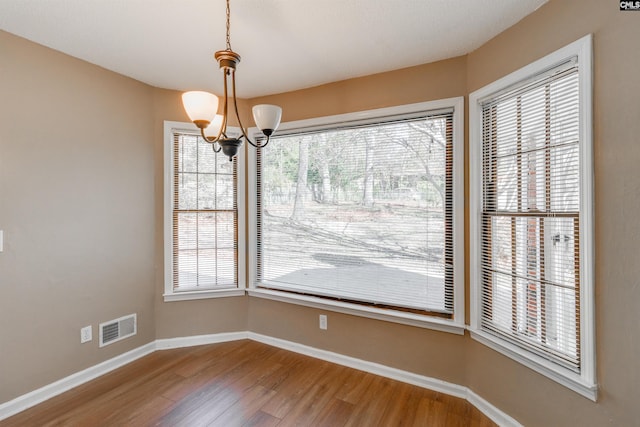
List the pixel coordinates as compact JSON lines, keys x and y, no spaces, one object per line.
{"x":285,"y":44}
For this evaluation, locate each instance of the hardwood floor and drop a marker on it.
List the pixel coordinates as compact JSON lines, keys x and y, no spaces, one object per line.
{"x":245,"y":383}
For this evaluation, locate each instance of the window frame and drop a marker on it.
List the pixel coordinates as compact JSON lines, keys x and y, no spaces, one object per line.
{"x":454,"y":325}
{"x":169,"y":293}
{"x":583,"y":382}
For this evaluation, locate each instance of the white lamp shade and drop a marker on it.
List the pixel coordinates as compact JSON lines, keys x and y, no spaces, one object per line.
{"x":267,"y":117}
{"x":214,"y":127}
{"x":200,"y":106}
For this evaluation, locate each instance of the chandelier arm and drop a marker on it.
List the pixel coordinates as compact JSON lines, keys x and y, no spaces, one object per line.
{"x":259,"y":145}
{"x":223,"y":126}
{"x":235,"y":106}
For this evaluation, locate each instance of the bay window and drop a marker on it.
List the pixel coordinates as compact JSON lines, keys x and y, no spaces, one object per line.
{"x":363,"y":211}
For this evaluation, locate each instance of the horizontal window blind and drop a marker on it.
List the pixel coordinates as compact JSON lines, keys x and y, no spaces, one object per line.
{"x":205,"y":214}
{"x":360,"y":213}
{"x":530,"y":254}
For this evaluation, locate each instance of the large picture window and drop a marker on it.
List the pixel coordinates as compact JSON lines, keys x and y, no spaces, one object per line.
{"x":532,"y":156}
{"x":362,"y":212}
{"x":201,"y":214}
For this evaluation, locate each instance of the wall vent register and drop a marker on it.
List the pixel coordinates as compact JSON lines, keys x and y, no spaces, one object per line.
{"x":118,"y":329}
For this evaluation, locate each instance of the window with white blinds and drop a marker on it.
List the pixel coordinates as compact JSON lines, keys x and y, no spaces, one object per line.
{"x":202,"y":248}
{"x":361,"y":212}
{"x":530,"y":218}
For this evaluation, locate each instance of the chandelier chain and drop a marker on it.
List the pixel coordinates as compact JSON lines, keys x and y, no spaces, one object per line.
{"x":228,"y":26}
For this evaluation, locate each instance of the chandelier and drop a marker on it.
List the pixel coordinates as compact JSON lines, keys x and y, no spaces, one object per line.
{"x":201,"y":107}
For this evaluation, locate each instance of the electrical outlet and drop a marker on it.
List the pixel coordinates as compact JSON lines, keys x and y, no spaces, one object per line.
{"x":323,"y":321}
{"x":85,"y":334}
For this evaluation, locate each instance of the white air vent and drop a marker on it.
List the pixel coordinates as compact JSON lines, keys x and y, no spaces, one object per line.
{"x":118,"y":329}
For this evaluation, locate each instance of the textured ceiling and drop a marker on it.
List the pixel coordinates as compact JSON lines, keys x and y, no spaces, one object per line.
{"x":285,"y":44}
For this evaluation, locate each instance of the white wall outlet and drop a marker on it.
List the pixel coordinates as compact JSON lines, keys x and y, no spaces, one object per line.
{"x":1,"y":240}
{"x":323,"y":321}
{"x":85,"y":334}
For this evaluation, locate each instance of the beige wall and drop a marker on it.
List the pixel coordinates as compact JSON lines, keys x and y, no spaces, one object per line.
{"x":438,"y":80}
{"x":617,"y":188}
{"x":77,"y":209}
{"x":58,"y":274}
{"x":434,"y":354}
{"x":81,"y":154}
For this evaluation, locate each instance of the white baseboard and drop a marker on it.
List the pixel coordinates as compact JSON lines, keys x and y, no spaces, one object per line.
{"x":495,"y":414}
{"x":169,"y":343}
{"x":363,"y":365}
{"x":28,"y":400}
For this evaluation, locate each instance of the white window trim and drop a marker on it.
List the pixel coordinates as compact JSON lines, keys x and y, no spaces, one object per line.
{"x":454,"y":325}
{"x":169,"y":293}
{"x":585,"y":382}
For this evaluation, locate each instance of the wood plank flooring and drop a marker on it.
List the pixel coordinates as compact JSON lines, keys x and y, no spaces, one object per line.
{"x":245,"y":383}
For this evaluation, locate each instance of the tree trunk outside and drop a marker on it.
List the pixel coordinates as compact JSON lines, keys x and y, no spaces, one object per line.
{"x":326,"y":182}
{"x":301,"y":185}
{"x":367,"y":191}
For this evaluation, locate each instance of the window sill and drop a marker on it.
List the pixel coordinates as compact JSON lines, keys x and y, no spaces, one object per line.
{"x":426,"y":322}
{"x":562,"y":376}
{"x":194,"y":295}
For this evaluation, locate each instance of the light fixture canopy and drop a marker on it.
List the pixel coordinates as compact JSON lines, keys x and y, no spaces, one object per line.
{"x":201,"y":107}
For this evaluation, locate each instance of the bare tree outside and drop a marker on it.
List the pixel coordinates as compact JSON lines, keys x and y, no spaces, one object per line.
{"x":301,"y":182}
{"x":367,"y":187}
